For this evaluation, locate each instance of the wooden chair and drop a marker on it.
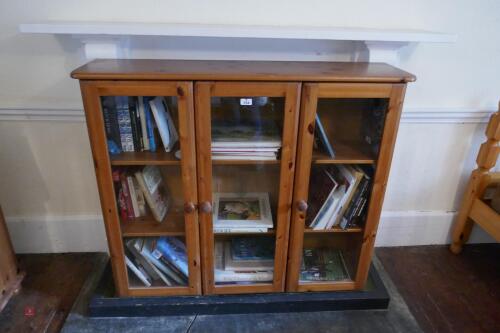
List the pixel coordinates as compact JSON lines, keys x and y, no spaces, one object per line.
{"x":10,"y":276}
{"x":473,"y":208}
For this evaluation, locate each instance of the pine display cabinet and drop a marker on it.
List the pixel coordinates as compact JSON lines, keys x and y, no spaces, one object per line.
{"x":233,"y":177}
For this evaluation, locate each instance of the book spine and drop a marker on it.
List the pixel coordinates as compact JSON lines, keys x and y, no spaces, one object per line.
{"x":355,"y":202}
{"x":228,"y":230}
{"x":142,"y":116}
{"x":133,"y":196}
{"x":236,"y":276}
{"x":126,"y":194}
{"x":134,"y":124}
{"x":124,"y":124}
{"x":149,"y":124}
{"x":111,"y":120}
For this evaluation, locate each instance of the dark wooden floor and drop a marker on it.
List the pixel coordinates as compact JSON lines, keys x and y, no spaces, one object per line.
{"x":445,"y":292}
{"x":50,"y":287}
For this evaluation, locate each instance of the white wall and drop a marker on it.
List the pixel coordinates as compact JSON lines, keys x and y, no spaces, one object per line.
{"x":47,"y":175}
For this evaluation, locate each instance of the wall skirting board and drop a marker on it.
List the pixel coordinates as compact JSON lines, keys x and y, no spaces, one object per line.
{"x":82,"y":233}
{"x":410,"y":115}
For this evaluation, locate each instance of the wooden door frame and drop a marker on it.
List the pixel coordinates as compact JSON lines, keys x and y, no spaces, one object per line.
{"x":91,"y":91}
{"x":203,"y":93}
{"x":311,"y":92}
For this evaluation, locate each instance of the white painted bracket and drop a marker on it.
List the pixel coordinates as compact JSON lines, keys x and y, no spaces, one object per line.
{"x":104,"y":47}
{"x":383,"y":51}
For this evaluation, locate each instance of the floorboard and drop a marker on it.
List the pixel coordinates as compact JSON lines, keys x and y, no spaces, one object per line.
{"x":447,"y":292}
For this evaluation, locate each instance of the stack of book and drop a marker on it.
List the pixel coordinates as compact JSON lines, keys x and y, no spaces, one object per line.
{"x":244,"y":260}
{"x":131,"y":124}
{"x":157,"y":261}
{"x":323,"y":264}
{"x":133,"y":189}
{"x":338,"y":195}
{"x":245,"y":142}
{"x":242,"y":213}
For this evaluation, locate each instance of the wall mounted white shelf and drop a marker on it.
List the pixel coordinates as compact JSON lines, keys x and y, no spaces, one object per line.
{"x":110,"y":39}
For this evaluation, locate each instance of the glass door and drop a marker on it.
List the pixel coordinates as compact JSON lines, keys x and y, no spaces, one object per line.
{"x":142,"y":136}
{"x":246,"y":139}
{"x":347,"y":134}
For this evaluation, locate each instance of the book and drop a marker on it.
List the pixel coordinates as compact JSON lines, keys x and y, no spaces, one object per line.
{"x":111,"y":121}
{"x":238,"y":276}
{"x":164,"y":122}
{"x":357,"y":201}
{"x":150,"y":125}
{"x":175,"y":251}
{"x":144,"y":127}
{"x":332,"y":206}
{"x":135,"y":124}
{"x":126,"y":195}
{"x":155,"y":264}
{"x":229,"y":230}
{"x":155,"y":192}
{"x":252,"y":248}
{"x":267,"y":136}
{"x":147,"y":265}
{"x":218,"y":254}
{"x":124,"y":124}
{"x":323,"y":264}
{"x":242,"y":210}
{"x":322,"y":138}
{"x":138,"y":272}
{"x":322,"y":187}
{"x":350,"y":177}
{"x":133,"y":196}
{"x":245,"y":265}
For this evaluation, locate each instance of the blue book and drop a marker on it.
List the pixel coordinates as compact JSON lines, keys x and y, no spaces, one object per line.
{"x":175,"y":251}
{"x":321,"y":134}
{"x":149,"y":123}
{"x":124,"y":123}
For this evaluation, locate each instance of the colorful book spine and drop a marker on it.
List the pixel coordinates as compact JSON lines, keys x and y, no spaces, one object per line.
{"x":135,"y":123}
{"x":126,"y":195}
{"x":124,"y":124}
{"x":149,"y":124}
{"x":111,"y":121}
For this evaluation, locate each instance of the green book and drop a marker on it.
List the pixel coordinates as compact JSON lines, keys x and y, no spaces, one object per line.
{"x":323,"y":264}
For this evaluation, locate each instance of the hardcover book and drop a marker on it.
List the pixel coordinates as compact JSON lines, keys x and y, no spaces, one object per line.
{"x":164,"y":122}
{"x":175,"y":251}
{"x":242,"y":210}
{"x":323,"y":264}
{"x":322,"y":138}
{"x":111,"y":120}
{"x":155,"y":192}
{"x":252,"y":248}
{"x":124,"y":123}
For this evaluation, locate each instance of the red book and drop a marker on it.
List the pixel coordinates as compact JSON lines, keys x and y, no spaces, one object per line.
{"x":126,"y":194}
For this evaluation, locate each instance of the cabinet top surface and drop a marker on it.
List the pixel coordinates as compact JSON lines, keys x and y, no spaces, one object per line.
{"x":230,"y":70}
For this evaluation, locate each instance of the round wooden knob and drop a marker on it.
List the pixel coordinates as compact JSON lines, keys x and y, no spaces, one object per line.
{"x":302,"y":205}
{"x":189,"y":207}
{"x":206,"y":207}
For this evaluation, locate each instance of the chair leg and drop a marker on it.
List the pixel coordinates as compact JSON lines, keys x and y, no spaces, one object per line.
{"x":462,"y":237}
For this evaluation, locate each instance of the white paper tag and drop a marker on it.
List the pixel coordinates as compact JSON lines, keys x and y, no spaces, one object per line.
{"x":245,"y":101}
{"x":156,"y":254}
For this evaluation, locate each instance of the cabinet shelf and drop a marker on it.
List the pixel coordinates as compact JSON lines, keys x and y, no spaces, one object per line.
{"x":172,"y":225}
{"x":345,"y":153}
{"x":144,"y":158}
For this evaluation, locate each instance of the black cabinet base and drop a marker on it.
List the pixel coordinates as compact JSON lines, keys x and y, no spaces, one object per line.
{"x":103,"y":304}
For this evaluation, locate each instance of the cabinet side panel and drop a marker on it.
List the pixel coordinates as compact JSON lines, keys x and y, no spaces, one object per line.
{"x":97,"y":136}
{"x":380,"y":181}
